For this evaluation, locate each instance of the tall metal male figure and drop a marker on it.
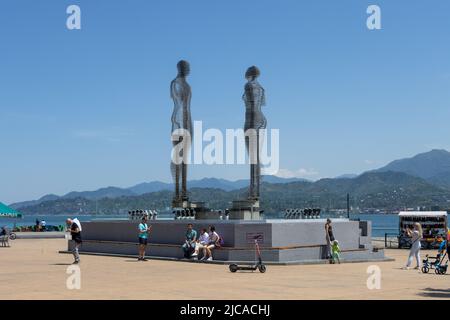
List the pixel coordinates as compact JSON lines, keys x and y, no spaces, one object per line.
{"x":254,"y":98}
{"x":180,"y":92}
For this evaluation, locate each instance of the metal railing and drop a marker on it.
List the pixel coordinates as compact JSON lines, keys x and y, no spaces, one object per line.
{"x":386,"y":235}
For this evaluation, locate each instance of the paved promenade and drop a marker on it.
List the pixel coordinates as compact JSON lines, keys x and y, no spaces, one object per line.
{"x":33,"y":269}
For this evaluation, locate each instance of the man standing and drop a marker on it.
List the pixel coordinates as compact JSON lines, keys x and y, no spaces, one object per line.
{"x":74,"y":226}
{"x":182,"y":132}
{"x":329,"y":236}
{"x":255,"y":121}
{"x":144,"y":229}
{"x":43,"y":225}
{"x":191,"y":239}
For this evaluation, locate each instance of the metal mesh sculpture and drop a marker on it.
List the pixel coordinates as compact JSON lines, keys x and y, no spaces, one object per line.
{"x":254,"y":98}
{"x":180,"y":92}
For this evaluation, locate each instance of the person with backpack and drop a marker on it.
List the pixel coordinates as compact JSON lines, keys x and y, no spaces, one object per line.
{"x":215,"y":242}
{"x":144,"y":229}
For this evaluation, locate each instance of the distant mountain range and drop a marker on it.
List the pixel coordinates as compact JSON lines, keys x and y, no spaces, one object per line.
{"x":347,"y":176}
{"x":423,"y":180}
{"x":149,"y":187}
{"x":433,"y":166}
{"x":388,"y":190}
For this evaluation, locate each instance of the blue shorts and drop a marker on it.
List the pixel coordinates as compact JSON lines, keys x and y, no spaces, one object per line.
{"x":143,"y":241}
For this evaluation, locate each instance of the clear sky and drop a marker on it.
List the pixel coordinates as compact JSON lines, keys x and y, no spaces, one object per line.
{"x":83,"y":109}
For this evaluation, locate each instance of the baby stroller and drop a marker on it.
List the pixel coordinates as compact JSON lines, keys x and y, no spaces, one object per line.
{"x":438,"y":263}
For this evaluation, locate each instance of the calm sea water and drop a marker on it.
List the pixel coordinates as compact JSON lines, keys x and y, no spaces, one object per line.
{"x":381,"y":223}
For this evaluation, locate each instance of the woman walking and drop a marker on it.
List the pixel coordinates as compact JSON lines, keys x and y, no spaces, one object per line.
{"x":415,"y":236}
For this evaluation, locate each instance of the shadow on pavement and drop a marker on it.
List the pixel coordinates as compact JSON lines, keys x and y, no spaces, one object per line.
{"x":435,"y":293}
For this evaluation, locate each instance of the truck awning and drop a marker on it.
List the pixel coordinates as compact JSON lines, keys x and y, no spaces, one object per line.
{"x":422,"y":214}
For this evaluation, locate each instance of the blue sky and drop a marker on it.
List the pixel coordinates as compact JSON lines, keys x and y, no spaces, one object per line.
{"x":88,"y":108}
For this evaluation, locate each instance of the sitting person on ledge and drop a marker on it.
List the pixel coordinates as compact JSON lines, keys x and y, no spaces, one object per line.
{"x":202,"y":243}
{"x":190,"y":242}
{"x":214,"y":242}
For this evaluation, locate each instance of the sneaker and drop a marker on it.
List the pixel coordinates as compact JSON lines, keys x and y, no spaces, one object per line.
{"x":209,"y":259}
{"x":203,"y":258}
{"x":194,"y":255}
{"x":406,"y":268}
{"x":76,"y":262}
{"x":143,"y":259}
{"x":139,"y":259}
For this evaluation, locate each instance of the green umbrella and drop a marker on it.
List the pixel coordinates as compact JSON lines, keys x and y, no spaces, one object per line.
{"x":7,"y":212}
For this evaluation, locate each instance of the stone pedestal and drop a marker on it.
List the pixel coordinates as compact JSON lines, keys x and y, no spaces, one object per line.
{"x":281,"y":241}
{"x":245,"y":210}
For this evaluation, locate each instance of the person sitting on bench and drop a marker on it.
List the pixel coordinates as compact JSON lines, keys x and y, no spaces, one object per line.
{"x":202,"y":243}
{"x":214,"y":240}
{"x":190,"y":242}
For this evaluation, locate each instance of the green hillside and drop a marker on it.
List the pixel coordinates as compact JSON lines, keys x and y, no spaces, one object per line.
{"x":382,"y":190}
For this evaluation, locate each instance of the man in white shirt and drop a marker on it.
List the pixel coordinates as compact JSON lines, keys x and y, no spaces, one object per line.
{"x":74,"y":227}
{"x":202,"y":243}
{"x":43,"y":224}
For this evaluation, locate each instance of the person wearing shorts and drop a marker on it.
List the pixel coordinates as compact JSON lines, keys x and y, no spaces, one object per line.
{"x":212,"y":243}
{"x":144,"y":229}
{"x":201,"y":244}
{"x":335,"y":252}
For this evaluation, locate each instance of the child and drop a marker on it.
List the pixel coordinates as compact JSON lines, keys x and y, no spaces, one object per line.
{"x":335,"y":250}
{"x":442,"y":247}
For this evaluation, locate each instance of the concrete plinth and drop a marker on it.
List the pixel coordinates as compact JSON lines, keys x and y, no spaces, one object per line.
{"x":281,"y":241}
{"x":245,"y":210}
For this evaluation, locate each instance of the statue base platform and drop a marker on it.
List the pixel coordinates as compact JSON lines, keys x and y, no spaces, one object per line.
{"x":281,"y":241}
{"x":245,"y":210}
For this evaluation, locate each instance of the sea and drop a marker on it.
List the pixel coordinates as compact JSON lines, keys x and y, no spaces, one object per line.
{"x":381,"y":223}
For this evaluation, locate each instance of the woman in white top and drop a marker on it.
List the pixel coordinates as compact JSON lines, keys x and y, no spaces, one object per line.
{"x":202,"y":243}
{"x":415,"y":235}
{"x":214,"y":240}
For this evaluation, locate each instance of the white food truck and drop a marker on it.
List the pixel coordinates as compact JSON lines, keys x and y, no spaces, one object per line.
{"x":434,"y":226}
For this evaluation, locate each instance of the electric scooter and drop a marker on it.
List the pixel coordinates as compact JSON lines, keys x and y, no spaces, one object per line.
{"x":258,"y":263}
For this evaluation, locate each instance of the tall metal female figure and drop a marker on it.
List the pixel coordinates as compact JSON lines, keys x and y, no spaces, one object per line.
{"x":180,"y":92}
{"x":254,"y":98}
